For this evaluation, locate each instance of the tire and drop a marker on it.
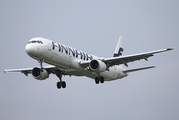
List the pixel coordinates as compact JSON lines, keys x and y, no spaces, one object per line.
{"x":96,"y":80}
{"x":102,"y":79}
{"x":58,"y":85}
{"x":63,"y":84}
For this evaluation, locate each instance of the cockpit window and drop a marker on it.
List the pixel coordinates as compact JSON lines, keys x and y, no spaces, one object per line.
{"x":40,"y":42}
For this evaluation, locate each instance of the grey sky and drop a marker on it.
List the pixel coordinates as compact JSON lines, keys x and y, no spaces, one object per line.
{"x":92,"y":26}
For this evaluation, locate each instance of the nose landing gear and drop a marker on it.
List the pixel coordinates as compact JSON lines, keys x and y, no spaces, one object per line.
{"x":41,"y":62}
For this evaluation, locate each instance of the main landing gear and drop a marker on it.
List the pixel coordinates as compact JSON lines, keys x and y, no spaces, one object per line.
{"x":99,"y":79}
{"x":61,"y":83}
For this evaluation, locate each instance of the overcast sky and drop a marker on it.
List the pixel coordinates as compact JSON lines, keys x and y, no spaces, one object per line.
{"x":93,"y":26}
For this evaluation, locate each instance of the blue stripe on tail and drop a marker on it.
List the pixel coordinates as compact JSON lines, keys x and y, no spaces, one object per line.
{"x":119,"y":53}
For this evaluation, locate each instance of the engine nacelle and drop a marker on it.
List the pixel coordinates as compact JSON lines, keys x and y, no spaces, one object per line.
{"x":39,"y":74}
{"x":97,"y":66}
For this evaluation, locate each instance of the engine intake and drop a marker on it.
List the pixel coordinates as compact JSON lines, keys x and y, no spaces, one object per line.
{"x":97,"y":66}
{"x":39,"y":74}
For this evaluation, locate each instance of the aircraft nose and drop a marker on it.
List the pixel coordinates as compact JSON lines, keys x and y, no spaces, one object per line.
{"x":29,"y":50}
{"x":33,"y":51}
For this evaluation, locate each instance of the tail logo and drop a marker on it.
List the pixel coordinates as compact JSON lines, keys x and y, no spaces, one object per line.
{"x":119,"y":53}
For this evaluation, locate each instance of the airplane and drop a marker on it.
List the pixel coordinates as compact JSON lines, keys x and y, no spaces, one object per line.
{"x":65,"y":60}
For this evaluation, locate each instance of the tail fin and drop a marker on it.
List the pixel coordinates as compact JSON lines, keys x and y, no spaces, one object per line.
{"x":119,"y":47}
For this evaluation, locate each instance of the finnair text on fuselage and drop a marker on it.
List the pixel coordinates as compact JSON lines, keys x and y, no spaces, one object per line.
{"x":69,"y":50}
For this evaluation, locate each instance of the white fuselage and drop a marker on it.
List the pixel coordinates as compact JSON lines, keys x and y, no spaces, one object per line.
{"x":67,"y":59}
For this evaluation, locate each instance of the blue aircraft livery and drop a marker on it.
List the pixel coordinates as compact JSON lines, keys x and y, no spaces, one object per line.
{"x":74,"y":52}
{"x":119,"y":53}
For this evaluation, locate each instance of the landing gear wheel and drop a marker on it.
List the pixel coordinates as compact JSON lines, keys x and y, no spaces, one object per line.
{"x":63,"y":84}
{"x":58,"y":85}
{"x":101,"y":79}
{"x":97,"y":80}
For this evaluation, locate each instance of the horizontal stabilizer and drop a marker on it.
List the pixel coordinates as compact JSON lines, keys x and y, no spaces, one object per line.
{"x":132,"y":70}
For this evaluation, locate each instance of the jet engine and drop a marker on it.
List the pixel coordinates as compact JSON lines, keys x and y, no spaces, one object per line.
{"x":40,"y":74}
{"x":97,"y":66}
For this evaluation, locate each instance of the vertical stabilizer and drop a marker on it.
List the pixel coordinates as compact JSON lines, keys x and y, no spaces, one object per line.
{"x":119,"y":48}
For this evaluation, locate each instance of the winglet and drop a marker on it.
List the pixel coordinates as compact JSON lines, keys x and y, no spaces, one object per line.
{"x":169,"y":48}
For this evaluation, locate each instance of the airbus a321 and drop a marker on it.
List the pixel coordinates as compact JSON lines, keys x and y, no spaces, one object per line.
{"x":65,"y":60}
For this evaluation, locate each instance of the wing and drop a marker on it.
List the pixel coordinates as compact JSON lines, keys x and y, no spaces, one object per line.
{"x":130,"y":58}
{"x":126,"y":59}
{"x":27,"y":71}
{"x":50,"y":69}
